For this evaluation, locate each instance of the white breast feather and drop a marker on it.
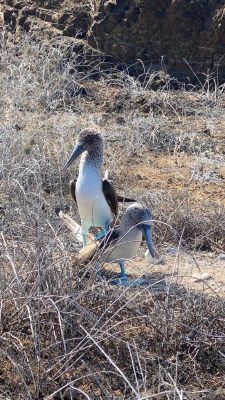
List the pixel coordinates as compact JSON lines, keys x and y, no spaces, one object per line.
{"x":93,"y":207}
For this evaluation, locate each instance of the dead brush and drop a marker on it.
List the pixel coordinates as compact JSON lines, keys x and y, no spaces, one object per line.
{"x":66,"y":335}
{"x":63,"y":333}
{"x":199,"y":227}
{"x":35,"y":77}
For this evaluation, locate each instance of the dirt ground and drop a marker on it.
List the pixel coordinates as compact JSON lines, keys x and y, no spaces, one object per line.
{"x":203,"y":272}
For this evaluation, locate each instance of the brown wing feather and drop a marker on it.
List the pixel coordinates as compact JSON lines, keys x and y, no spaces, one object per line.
{"x":110,"y":195}
{"x":72,"y":190}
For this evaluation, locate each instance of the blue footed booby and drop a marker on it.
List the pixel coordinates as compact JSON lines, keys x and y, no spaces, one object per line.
{"x":96,"y":198}
{"x":122,"y":243}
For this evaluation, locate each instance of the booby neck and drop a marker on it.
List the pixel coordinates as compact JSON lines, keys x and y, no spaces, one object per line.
{"x":126,"y":224}
{"x":134,"y":217}
{"x":126,"y":228}
{"x":92,"y":159}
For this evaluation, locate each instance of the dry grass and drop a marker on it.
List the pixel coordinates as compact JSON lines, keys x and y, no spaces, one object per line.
{"x":64,"y":334}
{"x":196,"y":228}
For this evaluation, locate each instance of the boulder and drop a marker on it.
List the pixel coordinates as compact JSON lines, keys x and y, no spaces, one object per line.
{"x":77,"y":24}
{"x":180,"y":35}
{"x":184,"y":39}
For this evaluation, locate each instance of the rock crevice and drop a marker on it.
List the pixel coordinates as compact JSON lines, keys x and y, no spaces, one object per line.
{"x":187,"y":34}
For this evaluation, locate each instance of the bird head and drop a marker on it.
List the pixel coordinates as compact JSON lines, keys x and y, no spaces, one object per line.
{"x":139,"y":216}
{"x":88,"y":140}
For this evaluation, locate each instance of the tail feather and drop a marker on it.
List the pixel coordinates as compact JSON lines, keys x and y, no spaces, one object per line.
{"x":120,"y":199}
{"x":71,"y":225}
{"x":74,"y":227}
{"x":88,"y":251}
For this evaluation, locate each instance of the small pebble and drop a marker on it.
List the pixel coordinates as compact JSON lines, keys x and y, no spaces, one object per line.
{"x":221,"y":256}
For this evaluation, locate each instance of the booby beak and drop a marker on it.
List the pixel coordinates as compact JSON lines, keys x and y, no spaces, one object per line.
{"x":147,"y":231}
{"x":77,"y":151}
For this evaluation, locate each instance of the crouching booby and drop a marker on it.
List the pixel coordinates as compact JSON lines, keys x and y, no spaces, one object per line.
{"x":96,"y":198}
{"x":122,"y":243}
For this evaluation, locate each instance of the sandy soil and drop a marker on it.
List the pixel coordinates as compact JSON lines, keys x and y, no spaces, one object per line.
{"x":204,"y":272}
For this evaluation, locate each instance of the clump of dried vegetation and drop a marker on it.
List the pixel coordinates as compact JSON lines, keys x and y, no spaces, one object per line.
{"x":64,"y":334}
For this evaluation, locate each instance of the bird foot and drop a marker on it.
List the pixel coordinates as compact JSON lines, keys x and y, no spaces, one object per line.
{"x":130,"y":282}
{"x":100,"y":235}
{"x":120,"y":281}
{"x":123,"y":281}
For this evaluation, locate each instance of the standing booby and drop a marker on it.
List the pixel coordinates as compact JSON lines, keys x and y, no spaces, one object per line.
{"x":96,"y":198}
{"x":121,"y":244}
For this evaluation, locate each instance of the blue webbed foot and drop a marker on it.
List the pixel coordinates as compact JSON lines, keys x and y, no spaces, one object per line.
{"x":120,"y":281}
{"x":102,"y":233}
{"x":123,"y":278}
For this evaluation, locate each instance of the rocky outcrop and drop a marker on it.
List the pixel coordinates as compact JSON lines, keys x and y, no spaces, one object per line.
{"x":181,"y":37}
{"x":73,"y":21}
{"x":174,"y":32}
